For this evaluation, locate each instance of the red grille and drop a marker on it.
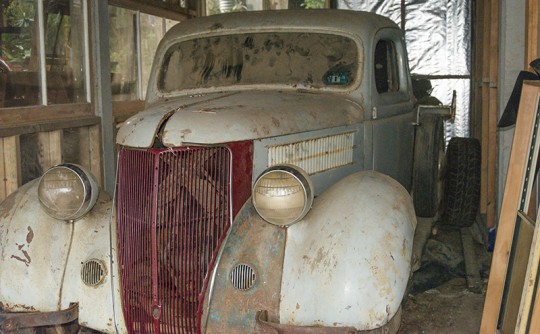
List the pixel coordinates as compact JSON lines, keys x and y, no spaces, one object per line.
{"x":173,"y":209}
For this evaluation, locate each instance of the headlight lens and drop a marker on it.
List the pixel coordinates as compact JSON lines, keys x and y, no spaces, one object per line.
{"x":67,"y":192}
{"x":283,"y":195}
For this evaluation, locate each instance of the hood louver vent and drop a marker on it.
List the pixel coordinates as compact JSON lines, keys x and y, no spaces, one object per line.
{"x":315,"y":155}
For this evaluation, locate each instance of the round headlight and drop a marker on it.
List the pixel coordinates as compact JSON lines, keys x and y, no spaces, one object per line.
{"x":283,"y":195}
{"x":67,"y":191}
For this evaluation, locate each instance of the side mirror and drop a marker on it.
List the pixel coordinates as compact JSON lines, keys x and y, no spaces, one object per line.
{"x":445,"y":111}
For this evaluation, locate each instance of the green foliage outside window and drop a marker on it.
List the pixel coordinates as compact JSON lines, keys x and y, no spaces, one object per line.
{"x":18,"y":17}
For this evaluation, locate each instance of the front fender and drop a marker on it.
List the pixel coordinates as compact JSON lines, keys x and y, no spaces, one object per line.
{"x":348,"y":262}
{"x":42,"y":258}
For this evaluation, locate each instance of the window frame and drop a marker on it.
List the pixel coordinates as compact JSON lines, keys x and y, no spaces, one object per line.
{"x":45,"y":115}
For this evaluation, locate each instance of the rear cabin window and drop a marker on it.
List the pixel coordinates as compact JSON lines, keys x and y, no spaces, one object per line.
{"x":386,"y":68}
{"x":302,"y":60}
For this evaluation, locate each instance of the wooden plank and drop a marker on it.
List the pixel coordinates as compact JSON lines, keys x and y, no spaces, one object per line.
{"x":517,"y":278}
{"x":45,"y":126}
{"x":90,"y":150}
{"x":28,"y":115}
{"x":94,"y":140}
{"x":535,"y":317}
{"x":50,"y":149}
{"x":472,"y":269}
{"x":157,"y":8}
{"x":510,"y":206}
{"x":532,"y":16}
{"x":492,"y":160}
{"x":476,"y":88}
{"x":530,"y":280}
{"x":10,"y":171}
{"x":484,"y":92}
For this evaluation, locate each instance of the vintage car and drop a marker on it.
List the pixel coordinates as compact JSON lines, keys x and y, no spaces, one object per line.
{"x":266,"y":188}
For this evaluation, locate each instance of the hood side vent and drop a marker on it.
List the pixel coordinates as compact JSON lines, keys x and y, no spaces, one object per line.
{"x":315,"y":155}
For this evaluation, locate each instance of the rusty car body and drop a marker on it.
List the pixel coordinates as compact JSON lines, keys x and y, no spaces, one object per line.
{"x":266,"y":188}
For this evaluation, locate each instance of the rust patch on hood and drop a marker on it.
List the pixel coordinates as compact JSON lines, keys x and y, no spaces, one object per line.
{"x":25,"y":257}
{"x":30,"y":235}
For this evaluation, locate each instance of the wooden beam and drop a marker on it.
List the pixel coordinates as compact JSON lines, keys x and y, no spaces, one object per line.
{"x":27,"y":115}
{"x":46,"y":126}
{"x":10,"y":166}
{"x":492,"y":149}
{"x":50,"y":149}
{"x":532,"y":16}
{"x":90,"y":150}
{"x":157,"y":8}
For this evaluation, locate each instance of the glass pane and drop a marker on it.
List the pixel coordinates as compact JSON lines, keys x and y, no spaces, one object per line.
{"x":64,"y":51}
{"x":19,"y":62}
{"x":301,"y":60}
{"x":123,"y":53}
{"x":152,"y":31}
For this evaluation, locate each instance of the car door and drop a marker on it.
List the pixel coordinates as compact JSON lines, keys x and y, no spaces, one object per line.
{"x":392,"y":106}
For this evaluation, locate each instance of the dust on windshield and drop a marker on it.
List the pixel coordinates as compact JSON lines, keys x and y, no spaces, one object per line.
{"x":297,"y":59}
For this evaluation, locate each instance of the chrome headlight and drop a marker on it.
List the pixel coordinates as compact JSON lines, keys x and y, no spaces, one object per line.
{"x":283,"y":195}
{"x":67,"y":191}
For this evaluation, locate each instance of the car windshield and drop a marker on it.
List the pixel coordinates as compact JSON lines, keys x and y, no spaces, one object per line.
{"x":296,"y":59}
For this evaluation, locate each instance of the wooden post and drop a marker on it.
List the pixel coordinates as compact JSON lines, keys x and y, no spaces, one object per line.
{"x":50,"y":149}
{"x":10,"y":166}
{"x":532,"y":15}
{"x":491,"y":121}
{"x":90,"y":150}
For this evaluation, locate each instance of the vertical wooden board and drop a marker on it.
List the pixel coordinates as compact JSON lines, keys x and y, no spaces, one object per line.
{"x":10,"y":171}
{"x":484,"y":98}
{"x":517,"y":279}
{"x":84,"y":147}
{"x":531,"y":33}
{"x":50,"y":149}
{"x":94,"y":144}
{"x":509,"y":207}
{"x":492,"y":161}
{"x":476,"y":114}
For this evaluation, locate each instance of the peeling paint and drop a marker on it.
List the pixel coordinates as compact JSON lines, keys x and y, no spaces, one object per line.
{"x":30,"y":235}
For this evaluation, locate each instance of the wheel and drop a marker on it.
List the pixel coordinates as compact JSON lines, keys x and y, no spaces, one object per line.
{"x":429,"y":165}
{"x":462,"y":185}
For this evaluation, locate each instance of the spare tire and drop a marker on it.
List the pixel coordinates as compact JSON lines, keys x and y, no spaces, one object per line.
{"x":462,"y":184}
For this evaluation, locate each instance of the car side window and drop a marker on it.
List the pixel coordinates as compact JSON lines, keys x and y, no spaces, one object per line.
{"x":386,"y":67}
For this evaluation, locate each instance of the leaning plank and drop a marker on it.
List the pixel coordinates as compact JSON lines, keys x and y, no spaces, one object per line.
{"x":512,"y":199}
{"x":535,"y":317}
{"x":518,"y":271}
{"x":530,"y":282}
{"x":10,"y":167}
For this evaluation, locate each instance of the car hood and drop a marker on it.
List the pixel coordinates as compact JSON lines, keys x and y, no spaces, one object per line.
{"x":237,"y":116}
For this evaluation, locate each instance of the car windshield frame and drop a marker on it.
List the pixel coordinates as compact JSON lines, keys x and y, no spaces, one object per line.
{"x":274,"y":58}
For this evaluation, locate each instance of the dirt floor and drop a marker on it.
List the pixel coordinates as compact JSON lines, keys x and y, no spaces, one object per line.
{"x":439,"y":300}
{"x":448,"y":309}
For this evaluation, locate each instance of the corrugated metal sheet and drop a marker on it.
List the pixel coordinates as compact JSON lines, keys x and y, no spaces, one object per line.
{"x":438,"y":35}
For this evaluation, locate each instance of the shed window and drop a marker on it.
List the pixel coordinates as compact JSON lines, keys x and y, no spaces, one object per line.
{"x":42,"y":53}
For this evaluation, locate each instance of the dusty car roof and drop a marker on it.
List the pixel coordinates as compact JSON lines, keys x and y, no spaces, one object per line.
{"x":355,"y":22}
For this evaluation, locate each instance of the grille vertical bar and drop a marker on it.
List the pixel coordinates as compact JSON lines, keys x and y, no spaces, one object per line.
{"x":172,"y":214}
